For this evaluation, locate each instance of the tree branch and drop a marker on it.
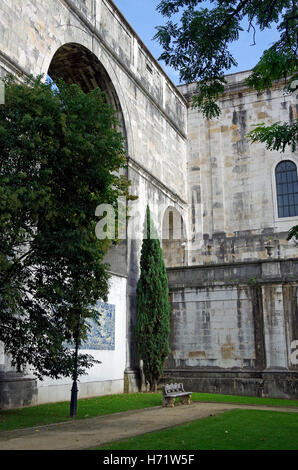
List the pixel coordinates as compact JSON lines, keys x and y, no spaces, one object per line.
{"x":270,"y":8}
{"x":254,"y":35}
{"x":293,"y":17}
{"x":234,"y":13}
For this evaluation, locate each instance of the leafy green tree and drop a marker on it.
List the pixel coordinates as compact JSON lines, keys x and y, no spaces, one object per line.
{"x":153,"y":307}
{"x":277,"y":136}
{"x":198,"y":46}
{"x":60,"y":156}
{"x":276,"y":63}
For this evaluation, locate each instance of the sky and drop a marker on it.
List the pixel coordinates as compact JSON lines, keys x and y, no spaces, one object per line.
{"x":143,"y":17}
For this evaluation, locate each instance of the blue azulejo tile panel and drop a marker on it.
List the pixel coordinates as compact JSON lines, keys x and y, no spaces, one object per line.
{"x":102,"y":337}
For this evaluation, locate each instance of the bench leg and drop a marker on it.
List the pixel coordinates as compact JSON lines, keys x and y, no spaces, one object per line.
{"x":168,"y":402}
{"x":185,"y":400}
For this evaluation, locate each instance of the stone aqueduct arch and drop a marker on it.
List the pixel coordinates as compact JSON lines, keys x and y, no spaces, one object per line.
{"x":89,"y":42}
{"x":154,"y":115}
{"x":75,"y":63}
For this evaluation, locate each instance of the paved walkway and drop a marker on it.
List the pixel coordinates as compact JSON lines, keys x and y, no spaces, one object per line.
{"x":92,"y":432}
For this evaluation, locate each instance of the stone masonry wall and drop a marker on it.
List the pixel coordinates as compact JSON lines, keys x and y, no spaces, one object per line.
{"x":234,"y":312}
{"x":153,"y":111}
{"x":231,"y":182}
{"x":239,"y":318}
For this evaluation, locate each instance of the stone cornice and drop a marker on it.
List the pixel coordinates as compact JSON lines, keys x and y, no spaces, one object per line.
{"x":232,"y":88}
{"x":252,"y":273}
{"x":13,"y":66}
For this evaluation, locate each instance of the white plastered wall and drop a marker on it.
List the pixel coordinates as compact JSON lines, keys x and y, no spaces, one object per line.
{"x":102,"y":379}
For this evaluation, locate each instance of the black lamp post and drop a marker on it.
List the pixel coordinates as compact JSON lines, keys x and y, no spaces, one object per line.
{"x":74,"y":390}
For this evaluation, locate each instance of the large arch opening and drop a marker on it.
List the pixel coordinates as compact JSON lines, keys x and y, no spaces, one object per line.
{"x":173,"y":238}
{"x":74,"y":63}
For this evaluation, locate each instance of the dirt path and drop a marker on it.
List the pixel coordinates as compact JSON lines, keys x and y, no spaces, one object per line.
{"x":92,"y":432}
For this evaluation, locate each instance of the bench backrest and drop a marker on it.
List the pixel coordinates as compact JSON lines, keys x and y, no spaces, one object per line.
{"x":172,"y":388}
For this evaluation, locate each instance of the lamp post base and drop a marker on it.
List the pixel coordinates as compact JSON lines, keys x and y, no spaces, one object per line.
{"x":74,"y":399}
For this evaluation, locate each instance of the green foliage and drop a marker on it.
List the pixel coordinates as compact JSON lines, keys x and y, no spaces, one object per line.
{"x":59,"y":158}
{"x":198,"y":43}
{"x":277,"y":136}
{"x":198,"y":46}
{"x":275,"y":63}
{"x":206,"y":95}
{"x":153,"y":307}
{"x":293,"y":234}
{"x":278,"y":62}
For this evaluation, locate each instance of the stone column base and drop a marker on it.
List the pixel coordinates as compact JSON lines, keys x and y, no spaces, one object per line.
{"x":133,"y":382}
{"x":17,"y":390}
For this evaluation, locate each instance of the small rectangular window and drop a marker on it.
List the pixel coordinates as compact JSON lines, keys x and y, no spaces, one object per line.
{"x":149,"y":68}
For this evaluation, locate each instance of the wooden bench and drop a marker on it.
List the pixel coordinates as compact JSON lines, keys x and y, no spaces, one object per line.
{"x":172,"y":391}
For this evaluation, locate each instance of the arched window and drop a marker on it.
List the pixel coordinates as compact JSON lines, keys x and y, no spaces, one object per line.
{"x":173,"y":238}
{"x":287,"y":189}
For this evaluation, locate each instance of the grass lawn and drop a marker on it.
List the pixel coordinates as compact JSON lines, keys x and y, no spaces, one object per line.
{"x":219,"y":398}
{"x":232,"y":430}
{"x":88,"y":408}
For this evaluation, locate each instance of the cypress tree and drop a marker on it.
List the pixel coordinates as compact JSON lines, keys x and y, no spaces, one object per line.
{"x":153,"y":307}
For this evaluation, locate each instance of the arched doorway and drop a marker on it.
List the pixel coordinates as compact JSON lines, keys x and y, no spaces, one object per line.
{"x":173,"y":238}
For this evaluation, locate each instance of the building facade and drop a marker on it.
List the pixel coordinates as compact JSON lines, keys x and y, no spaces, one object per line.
{"x":235,"y":308}
{"x":218,"y":202}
